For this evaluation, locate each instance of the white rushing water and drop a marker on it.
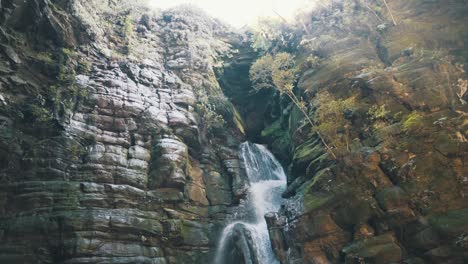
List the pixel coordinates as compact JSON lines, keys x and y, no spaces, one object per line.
{"x":267,"y":181}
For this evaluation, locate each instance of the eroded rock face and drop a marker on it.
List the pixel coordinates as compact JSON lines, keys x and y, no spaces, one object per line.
{"x":112,"y":152}
{"x":397,"y":191}
{"x":123,"y":166}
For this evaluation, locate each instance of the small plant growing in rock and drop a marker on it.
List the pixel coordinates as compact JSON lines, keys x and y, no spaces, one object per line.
{"x":378,"y":113}
{"x":84,"y":66}
{"x":313,"y":61}
{"x":41,"y":114}
{"x":76,"y":151}
{"x":128,"y":26}
{"x":210,"y":117}
{"x":208,"y":111}
{"x":331,"y":116}
{"x":413,"y":122}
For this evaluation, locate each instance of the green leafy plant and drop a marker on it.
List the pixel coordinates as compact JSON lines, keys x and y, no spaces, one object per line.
{"x":84,"y":66}
{"x":40,"y":113}
{"x":222,"y":106}
{"x":274,"y":72}
{"x":332,"y":119}
{"x":208,"y":110}
{"x":65,"y":93}
{"x":211,"y":119}
{"x":128,"y":26}
{"x":279,"y":72}
{"x":76,"y":150}
{"x":378,"y":112}
{"x":261,"y":73}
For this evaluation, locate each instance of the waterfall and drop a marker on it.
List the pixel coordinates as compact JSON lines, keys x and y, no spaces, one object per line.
{"x":246,"y":240}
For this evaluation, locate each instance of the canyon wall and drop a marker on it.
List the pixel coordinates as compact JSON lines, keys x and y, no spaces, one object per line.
{"x":116,"y":143}
{"x":389,"y":97}
{"x":119,"y":132}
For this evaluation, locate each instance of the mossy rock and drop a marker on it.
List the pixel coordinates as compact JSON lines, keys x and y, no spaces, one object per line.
{"x":315,"y":201}
{"x":353,"y":211}
{"x":319,"y":182}
{"x":379,"y":249}
{"x":445,"y":145}
{"x":391,"y":198}
{"x":274,"y":130}
{"x":195,"y":233}
{"x":279,"y":138}
{"x":452,"y":223}
{"x":306,"y":153}
{"x":316,"y":225}
{"x":317,"y":164}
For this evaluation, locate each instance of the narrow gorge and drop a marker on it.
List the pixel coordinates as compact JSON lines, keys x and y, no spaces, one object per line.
{"x":130,"y":134}
{"x":247,"y":239}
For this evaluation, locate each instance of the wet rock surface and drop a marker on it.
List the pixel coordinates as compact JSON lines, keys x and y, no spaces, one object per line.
{"x":112,"y":149}
{"x":106,"y":154}
{"x":397,"y":189}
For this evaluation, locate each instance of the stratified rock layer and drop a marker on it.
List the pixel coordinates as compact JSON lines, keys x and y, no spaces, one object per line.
{"x":391,"y":101}
{"x":108,"y":153}
{"x":113,"y":148}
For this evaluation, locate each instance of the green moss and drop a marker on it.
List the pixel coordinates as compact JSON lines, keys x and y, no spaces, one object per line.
{"x":317,"y":163}
{"x":279,"y":138}
{"x":41,"y":114}
{"x":274,"y":130}
{"x":378,"y":112}
{"x":220,"y":105}
{"x":65,"y":94}
{"x":76,"y":151}
{"x":238,"y":121}
{"x":44,"y":57}
{"x":84,"y":66}
{"x":314,"y":201}
{"x":67,"y":61}
{"x":445,"y":144}
{"x":413,"y":122}
{"x":451,"y":223}
{"x":373,"y":251}
{"x":308,"y":151}
{"x":128,"y":26}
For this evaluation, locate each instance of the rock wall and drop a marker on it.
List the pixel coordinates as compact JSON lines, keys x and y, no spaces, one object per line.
{"x":118,"y":145}
{"x":111,"y":148}
{"x":390,"y":99}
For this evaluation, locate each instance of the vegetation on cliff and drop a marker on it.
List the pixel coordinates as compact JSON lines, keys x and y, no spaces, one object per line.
{"x":119,"y":130}
{"x":384,"y":90}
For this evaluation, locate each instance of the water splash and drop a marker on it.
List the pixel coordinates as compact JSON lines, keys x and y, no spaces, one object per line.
{"x":267,"y":182}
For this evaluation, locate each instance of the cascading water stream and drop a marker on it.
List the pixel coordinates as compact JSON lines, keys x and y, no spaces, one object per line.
{"x":246,"y":240}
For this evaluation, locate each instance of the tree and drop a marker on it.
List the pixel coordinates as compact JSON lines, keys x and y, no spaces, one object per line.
{"x":265,"y":33}
{"x":279,"y":72}
{"x":261,"y":73}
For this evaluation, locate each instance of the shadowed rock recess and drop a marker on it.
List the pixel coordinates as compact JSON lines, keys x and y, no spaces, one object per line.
{"x":120,"y":128}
